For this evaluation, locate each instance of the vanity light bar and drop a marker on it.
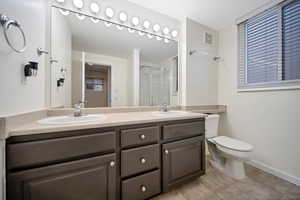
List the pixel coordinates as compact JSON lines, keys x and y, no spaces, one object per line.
{"x":64,"y":12}
{"x":142,"y":27}
{"x":80,"y":16}
{"x":60,"y":1}
{"x":123,"y":17}
{"x":94,"y":8}
{"x":79,"y":4}
{"x":109,"y":12}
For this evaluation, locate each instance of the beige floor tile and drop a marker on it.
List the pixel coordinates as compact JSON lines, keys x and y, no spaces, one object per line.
{"x":174,"y":195}
{"x":250,"y":169}
{"x":293,"y":193}
{"x":216,"y":180}
{"x":289,"y":197}
{"x":196,"y":191}
{"x":276,"y":183}
{"x":263,"y":192}
{"x":233,"y":192}
{"x":216,"y":186}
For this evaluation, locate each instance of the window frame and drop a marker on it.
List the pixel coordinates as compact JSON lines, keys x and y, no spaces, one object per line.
{"x":265,"y":86}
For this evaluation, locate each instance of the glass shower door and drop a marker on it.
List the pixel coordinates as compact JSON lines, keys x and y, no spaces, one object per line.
{"x":155,"y":86}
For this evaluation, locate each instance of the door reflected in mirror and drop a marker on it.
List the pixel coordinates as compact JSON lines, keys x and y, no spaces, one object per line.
{"x":109,"y":66}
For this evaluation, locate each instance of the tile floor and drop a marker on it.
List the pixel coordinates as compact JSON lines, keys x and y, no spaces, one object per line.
{"x":216,"y":186}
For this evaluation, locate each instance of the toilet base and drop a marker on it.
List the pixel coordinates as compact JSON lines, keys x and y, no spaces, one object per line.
{"x":232,"y":168}
{"x":229,"y":165}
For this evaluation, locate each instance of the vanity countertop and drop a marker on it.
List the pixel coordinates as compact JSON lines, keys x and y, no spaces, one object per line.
{"x":113,"y":119}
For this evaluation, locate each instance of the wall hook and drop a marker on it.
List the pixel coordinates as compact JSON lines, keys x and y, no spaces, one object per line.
{"x":53,"y":61}
{"x":41,"y":52}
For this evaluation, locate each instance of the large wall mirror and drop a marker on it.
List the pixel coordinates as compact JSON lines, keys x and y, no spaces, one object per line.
{"x":106,"y":65}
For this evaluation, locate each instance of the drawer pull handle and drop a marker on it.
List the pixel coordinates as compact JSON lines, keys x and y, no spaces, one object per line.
{"x":143,"y":188}
{"x":112,"y":163}
{"x":142,"y":137}
{"x":166,"y":151}
{"x":143,"y":160}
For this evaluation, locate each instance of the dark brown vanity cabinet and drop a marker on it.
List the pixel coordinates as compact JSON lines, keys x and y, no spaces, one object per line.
{"x":183,"y":153}
{"x":182,"y":160}
{"x":134,"y":162}
{"x":93,"y":179}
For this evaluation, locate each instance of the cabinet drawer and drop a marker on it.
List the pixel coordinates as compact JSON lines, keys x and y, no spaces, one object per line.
{"x":141,"y":187}
{"x":29,"y":154}
{"x":183,"y":130}
{"x":139,"y":136}
{"x":139,"y":160}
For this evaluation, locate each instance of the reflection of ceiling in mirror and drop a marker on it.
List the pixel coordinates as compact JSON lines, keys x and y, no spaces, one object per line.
{"x":98,"y":38}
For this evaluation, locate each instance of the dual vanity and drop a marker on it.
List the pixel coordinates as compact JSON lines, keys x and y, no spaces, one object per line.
{"x":134,"y":157}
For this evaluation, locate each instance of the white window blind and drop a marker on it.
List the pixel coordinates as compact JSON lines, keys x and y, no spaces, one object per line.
{"x":269,"y":47}
{"x":242,"y":54}
{"x":291,"y":41}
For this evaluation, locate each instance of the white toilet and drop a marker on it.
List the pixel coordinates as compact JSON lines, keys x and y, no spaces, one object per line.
{"x":228,"y":154}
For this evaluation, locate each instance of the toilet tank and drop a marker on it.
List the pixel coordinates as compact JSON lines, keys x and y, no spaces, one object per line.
{"x":211,"y":126}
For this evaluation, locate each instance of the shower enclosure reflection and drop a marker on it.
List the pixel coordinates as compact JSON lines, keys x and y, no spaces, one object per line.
{"x":159,"y":83}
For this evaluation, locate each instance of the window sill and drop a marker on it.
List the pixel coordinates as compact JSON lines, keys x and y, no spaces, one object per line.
{"x":260,"y":89}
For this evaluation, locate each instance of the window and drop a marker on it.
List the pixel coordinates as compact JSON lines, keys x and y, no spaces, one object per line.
{"x":269,"y":48}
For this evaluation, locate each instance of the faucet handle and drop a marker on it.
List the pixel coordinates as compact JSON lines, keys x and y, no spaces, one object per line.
{"x":77,"y":111}
{"x":83,"y":103}
{"x":164,"y":107}
{"x":77,"y":106}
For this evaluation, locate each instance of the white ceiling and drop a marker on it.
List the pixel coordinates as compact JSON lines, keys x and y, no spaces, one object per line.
{"x":97,"y":38}
{"x":216,"y":14}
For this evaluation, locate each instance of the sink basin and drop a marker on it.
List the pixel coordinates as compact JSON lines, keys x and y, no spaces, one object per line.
{"x":170,"y":113}
{"x":61,"y":120}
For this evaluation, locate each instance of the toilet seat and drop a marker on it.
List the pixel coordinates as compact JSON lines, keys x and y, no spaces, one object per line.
{"x":232,"y":144}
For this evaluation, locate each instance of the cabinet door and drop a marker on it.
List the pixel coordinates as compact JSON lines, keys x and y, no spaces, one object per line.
{"x":182,"y":161}
{"x":89,"y":179}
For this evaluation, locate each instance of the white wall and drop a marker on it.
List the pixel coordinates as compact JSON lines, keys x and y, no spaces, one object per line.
{"x":61,"y":50}
{"x":269,"y":120}
{"x":198,"y":72}
{"x":16,"y":94}
{"x":119,"y":85}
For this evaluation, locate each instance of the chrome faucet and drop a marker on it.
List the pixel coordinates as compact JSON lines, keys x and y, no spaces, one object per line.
{"x":78,"y":108}
{"x":164,"y":107}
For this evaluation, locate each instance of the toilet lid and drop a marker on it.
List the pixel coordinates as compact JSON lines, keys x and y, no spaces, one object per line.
{"x":233,"y":144}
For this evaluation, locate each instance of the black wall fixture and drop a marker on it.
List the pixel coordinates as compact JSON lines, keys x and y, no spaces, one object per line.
{"x":31,"y":69}
{"x":60,"y":82}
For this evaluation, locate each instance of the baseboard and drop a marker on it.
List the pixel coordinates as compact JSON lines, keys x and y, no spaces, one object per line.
{"x":275,"y":172}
